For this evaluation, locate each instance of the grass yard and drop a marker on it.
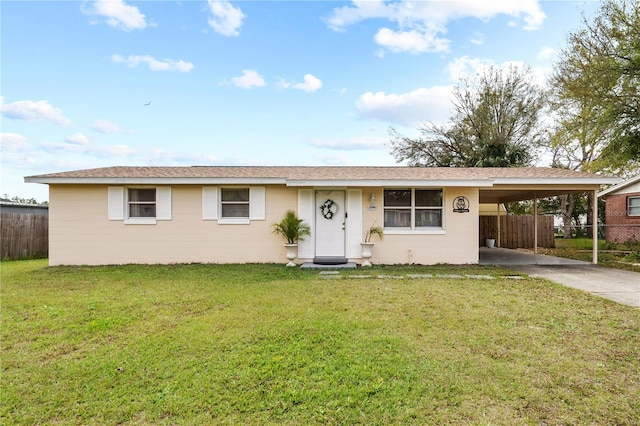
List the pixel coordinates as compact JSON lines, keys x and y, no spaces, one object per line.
{"x":264,"y":344}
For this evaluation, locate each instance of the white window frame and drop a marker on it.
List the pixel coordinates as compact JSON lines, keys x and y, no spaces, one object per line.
{"x":635,"y":207}
{"x":129,"y":203}
{"x":118,"y":205}
{"x":433,"y":230}
{"x":212,"y":204}
{"x":234,"y":220}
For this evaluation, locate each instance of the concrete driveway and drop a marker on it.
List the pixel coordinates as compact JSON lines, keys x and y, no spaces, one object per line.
{"x":614,"y":284}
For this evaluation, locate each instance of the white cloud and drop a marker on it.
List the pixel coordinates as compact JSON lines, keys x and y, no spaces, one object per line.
{"x":546,"y":53}
{"x":113,"y":151}
{"x":409,"y":109}
{"x":95,"y":154}
{"x":350,"y":144}
{"x":154,"y":64}
{"x":334,"y":160}
{"x":283,"y":84}
{"x":160,"y":156}
{"x":33,"y":111}
{"x":311,"y":84}
{"x":465,"y":66}
{"x":413,"y":41}
{"x":102,"y":151}
{"x":77,"y":139}
{"x":477,"y":38}
{"x":53,"y":147}
{"x":118,"y":14}
{"x":13,"y":142}
{"x":348,"y":15}
{"x":248,"y":79}
{"x":226,"y":19}
{"x":109,"y":128}
{"x":421,"y":24}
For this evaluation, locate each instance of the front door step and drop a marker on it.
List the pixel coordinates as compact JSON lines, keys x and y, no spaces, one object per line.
{"x":309,"y":265}
{"x":330,"y":260}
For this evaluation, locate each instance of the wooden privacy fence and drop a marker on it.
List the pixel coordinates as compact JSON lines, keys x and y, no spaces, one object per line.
{"x":24,"y":235}
{"x":517,"y":231}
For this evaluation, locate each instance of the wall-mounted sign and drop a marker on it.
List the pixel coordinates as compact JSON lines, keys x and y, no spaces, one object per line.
{"x":461,"y":204}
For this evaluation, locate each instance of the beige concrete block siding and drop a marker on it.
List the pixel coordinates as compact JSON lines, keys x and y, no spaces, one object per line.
{"x":81,"y":234}
{"x":457,"y":245}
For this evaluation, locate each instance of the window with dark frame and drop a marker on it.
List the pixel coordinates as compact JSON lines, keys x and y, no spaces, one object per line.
{"x":234,"y":203}
{"x":142,"y":202}
{"x":413,"y":208}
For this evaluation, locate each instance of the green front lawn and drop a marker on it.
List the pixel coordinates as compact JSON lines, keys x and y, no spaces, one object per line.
{"x":264,"y":344}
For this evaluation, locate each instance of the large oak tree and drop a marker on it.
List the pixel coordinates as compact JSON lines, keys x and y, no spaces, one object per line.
{"x":596,"y":99}
{"x":494,"y":124}
{"x":596,"y":85}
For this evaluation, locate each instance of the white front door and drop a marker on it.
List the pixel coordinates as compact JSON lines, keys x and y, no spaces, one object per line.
{"x":330,"y":223}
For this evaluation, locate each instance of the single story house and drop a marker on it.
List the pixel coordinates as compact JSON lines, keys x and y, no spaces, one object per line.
{"x":118,"y":215}
{"x":622,"y":211}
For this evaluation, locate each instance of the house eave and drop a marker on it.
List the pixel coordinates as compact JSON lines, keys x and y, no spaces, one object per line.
{"x":155,"y":181}
{"x":562,"y":181}
{"x":390,"y":183}
{"x":259,"y":181}
{"x":619,"y":186}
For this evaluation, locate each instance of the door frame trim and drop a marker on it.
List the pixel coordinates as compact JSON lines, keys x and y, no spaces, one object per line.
{"x":344,"y":219}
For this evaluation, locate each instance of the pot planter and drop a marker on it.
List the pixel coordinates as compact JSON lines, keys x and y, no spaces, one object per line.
{"x":367,"y":252}
{"x":293,"y":229}
{"x":490,"y":242}
{"x":292,"y":253}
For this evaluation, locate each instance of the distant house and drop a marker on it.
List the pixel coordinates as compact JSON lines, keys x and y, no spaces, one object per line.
{"x":623,"y":211}
{"x":486,"y":209}
{"x":118,"y":215}
{"x":8,"y":206}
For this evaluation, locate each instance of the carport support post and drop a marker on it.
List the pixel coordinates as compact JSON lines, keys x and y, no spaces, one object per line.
{"x":594,"y":206}
{"x":498,"y":232}
{"x":535,"y":222}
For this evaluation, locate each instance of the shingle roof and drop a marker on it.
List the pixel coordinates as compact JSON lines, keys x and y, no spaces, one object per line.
{"x":320,"y":173}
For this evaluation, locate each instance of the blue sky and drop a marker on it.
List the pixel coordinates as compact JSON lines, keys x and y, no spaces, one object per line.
{"x":102,"y":83}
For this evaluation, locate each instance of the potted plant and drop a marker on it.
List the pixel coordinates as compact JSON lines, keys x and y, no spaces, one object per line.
{"x":490,"y":242}
{"x":293,"y":229}
{"x":367,"y":245}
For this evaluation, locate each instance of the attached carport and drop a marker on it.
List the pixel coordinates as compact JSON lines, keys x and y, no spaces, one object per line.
{"x":533,"y":184}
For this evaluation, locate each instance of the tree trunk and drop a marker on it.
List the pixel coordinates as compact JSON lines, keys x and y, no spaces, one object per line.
{"x":590,"y":221}
{"x":567,"y":204}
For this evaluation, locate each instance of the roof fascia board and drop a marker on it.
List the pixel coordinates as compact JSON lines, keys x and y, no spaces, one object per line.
{"x":556,"y":181}
{"x":390,"y":183}
{"x":156,"y":181}
{"x":619,"y":186}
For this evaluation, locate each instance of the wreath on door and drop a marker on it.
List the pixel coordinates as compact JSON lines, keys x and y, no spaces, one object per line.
{"x":329,"y":208}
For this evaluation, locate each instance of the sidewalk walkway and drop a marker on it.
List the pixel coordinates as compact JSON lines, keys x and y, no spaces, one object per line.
{"x":613,"y":284}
